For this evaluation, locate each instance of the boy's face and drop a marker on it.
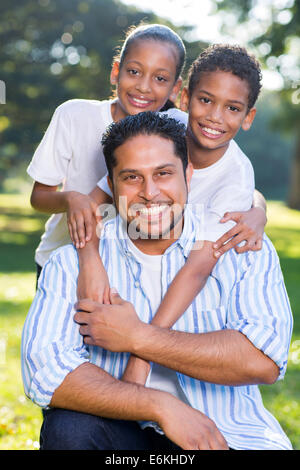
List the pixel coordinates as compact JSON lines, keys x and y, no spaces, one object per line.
{"x":217,"y":108}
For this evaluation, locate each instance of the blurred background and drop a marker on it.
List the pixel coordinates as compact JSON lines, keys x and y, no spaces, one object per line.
{"x":55,"y":50}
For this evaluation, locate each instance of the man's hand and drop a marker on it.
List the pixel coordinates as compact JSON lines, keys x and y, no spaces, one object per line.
{"x":189,"y":428}
{"x":112,"y":327}
{"x":249,"y":227}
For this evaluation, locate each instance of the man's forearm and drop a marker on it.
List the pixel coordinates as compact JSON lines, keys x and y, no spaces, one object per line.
{"x":89,"y":389}
{"x":223,"y":357}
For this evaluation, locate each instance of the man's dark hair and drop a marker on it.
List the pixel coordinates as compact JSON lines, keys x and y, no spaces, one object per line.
{"x":228,"y":58}
{"x":147,"y":123}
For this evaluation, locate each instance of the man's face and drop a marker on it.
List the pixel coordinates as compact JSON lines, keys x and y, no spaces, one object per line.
{"x":149,"y":186}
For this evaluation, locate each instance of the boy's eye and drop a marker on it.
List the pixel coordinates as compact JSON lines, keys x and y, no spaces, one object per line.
{"x":233,"y":108}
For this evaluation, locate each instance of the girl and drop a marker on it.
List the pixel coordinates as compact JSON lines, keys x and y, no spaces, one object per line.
{"x":147,"y":77}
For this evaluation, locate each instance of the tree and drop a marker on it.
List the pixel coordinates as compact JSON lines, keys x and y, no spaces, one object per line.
{"x":273,"y":27}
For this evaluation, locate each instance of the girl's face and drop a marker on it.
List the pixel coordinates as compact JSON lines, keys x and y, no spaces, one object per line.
{"x":146,"y":79}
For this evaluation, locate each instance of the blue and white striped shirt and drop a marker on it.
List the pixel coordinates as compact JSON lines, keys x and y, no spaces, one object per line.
{"x":244,"y":292}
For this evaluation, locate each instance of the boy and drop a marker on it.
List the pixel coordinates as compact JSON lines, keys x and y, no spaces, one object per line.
{"x":223,"y":86}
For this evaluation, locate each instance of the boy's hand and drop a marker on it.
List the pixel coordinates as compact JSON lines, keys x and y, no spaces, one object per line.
{"x":249,"y":227}
{"x":81,"y":209}
{"x":136,"y":371}
{"x":93,"y":282}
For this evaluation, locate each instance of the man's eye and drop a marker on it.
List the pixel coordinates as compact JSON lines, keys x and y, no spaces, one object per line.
{"x":161,"y":79}
{"x":130,"y":178}
{"x":205,"y":100}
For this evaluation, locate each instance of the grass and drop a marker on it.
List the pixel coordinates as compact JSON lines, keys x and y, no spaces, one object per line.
{"x":20,"y":229}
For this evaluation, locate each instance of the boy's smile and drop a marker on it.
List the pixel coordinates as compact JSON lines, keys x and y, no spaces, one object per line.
{"x":217,"y":108}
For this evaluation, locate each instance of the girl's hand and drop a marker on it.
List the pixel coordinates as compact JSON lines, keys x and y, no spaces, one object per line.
{"x":93,"y":282}
{"x":81,"y":209}
{"x":249,"y":227}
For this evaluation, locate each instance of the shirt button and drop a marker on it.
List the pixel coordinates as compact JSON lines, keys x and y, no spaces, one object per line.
{"x":137,"y":284}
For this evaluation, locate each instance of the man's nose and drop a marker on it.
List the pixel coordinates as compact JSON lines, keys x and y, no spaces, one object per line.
{"x":149,"y":189}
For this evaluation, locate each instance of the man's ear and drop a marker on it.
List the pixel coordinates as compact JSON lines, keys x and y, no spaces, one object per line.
{"x":110,"y":184}
{"x":176,"y":90}
{"x":114,"y":74}
{"x":184,"y":99}
{"x":247,"y":123}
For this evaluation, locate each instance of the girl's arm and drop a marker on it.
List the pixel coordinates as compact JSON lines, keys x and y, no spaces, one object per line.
{"x":80,"y":208}
{"x":82,"y":219}
{"x":92,"y":280}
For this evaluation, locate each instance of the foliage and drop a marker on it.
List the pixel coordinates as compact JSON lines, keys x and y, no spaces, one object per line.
{"x":52,"y":51}
{"x":20,"y":229}
{"x":276,"y":41}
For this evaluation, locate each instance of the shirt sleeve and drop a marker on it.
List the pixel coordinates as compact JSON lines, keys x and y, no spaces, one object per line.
{"x":230,"y":198}
{"x":51,"y":343}
{"x":50,"y":161}
{"x":103,"y":184}
{"x":259,"y":306}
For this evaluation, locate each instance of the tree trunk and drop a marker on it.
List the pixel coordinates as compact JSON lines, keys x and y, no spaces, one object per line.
{"x":294,"y":196}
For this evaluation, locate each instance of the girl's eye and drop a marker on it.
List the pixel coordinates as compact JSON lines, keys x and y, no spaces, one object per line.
{"x":205,"y":100}
{"x":133,"y":71}
{"x":161,"y":79}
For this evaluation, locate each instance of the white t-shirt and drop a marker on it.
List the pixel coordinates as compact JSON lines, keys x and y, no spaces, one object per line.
{"x":70,"y":154}
{"x":160,"y":377}
{"x":227,"y":185}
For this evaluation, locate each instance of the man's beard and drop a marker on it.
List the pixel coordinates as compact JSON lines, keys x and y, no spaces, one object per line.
{"x":139,"y":229}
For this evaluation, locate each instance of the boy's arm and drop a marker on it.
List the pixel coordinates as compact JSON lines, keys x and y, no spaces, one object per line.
{"x":249,"y":227}
{"x":188,"y":282}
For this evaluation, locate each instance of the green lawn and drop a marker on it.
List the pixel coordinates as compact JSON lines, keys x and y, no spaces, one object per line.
{"x":20,"y":229}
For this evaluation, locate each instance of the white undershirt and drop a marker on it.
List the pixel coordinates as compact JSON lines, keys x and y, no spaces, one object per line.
{"x":160,"y":377}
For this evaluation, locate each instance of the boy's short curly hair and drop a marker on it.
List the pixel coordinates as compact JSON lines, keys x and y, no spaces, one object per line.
{"x":228,"y":58}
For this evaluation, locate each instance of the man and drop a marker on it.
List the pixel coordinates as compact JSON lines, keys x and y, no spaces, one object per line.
{"x":235,"y":335}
